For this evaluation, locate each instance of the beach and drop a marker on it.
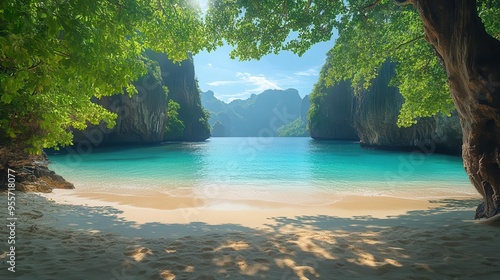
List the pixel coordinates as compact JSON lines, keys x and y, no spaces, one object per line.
{"x":288,"y":140}
{"x":76,"y":235}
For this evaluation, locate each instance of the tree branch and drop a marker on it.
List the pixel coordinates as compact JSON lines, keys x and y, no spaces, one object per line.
{"x":33,"y":67}
{"x":308,"y":6}
{"x":402,"y":2}
{"x":409,"y":42}
{"x":367,"y":7}
{"x":61,"y":53}
{"x":285,"y":8}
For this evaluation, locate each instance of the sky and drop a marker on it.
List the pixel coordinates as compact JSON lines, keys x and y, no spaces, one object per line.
{"x":233,"y":79}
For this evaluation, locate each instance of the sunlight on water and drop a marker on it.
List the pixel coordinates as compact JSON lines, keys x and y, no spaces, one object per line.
{"x":265,"y":168}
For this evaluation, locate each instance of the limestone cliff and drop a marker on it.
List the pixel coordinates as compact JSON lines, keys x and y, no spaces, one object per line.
{"x":142,"y":118}
{"x":372,"y":115}
{"x":331,"y":112}
{"x":376,"y":114}
{"x":183,"y":88}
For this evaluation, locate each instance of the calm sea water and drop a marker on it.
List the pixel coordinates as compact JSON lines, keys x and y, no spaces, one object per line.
{"x":264,"y":168}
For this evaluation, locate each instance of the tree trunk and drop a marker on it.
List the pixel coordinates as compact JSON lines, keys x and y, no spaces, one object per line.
{"x":471,"y":58}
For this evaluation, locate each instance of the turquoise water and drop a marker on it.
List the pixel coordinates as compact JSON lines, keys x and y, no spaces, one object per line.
{"x":264,"y":168}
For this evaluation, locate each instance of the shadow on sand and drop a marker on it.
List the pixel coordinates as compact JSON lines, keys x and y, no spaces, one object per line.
{"x":79,"y":242}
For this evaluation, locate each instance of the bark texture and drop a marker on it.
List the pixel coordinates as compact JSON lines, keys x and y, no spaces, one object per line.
{"x":471,"y":58}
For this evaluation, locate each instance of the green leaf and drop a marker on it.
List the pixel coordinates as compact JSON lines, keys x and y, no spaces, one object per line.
{"x":6,"y":98}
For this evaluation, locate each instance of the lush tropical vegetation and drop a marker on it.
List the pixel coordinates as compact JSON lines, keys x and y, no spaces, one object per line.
{"x":57,"y":55}
{"x":175,"y":126}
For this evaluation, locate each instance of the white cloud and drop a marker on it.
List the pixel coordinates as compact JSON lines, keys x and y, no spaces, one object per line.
{"x":309,"y":72}
{"x":209,"y":64}
{"x":223,"y":83}
{"x":259,"y":83}
{"x":252,"y":83}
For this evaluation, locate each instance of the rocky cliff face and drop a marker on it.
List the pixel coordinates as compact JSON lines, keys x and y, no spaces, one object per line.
{"x":182,"y":88}
{"x":376,"y":115}
{"x":142,"y":118}
{"x":372,"y":116}
{"x":31,"y":172}
{"x":331,"y":112}
{"x":377,"y":112}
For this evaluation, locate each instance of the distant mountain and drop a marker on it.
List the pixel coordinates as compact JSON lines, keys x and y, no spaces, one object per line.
{"x":298,"y":127}
{"x":211,"y":103}
{"x":259,"y":115}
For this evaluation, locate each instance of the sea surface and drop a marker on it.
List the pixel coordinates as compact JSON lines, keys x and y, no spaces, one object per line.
{"x":274,"y":169}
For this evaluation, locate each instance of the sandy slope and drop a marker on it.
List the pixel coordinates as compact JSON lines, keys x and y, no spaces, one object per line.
{"x":57,"y":241}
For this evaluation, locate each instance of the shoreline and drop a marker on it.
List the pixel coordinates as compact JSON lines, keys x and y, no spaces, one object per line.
{"x":187,"y":207}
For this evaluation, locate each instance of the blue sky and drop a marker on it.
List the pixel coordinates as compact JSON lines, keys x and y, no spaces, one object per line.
{"x":233,"y":79}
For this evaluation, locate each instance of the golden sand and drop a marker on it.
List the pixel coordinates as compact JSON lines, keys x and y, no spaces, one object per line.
{"x":77,"y":235}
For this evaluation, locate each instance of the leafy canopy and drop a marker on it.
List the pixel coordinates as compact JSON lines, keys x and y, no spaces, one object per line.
{"x":370,"y":32}
{"x":56,"y":55}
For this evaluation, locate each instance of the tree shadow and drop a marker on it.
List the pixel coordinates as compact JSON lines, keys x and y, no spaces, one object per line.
{"x":82,"y":242}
